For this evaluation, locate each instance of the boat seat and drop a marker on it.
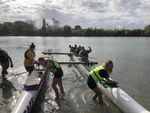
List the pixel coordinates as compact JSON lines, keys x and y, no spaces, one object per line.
{"x":33,"y":79}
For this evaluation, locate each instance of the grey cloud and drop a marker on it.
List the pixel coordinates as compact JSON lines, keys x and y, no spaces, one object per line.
{"x":4,"y":1}
{"x":96,"y":6}
{"x":54,"y":13}
{"x":48,"y":1}
{"x":87,"y":13}
{"x":128,"y":5}
{"x":92,"y":5}
{"x":5,"y":9}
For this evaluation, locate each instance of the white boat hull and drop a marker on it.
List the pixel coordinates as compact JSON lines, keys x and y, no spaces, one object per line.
{"x":28,"y":95}
{"x":25,"y":102}
{"x":119,"y":97}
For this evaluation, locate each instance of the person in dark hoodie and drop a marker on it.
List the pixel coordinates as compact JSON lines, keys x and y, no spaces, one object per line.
{"x":5,"y":62}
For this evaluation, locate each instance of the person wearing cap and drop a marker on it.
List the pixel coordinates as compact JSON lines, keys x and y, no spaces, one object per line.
{"x":29,"y":60}
{"x":5,"y":62}
{"x":97,"y":75}
{"x":55,"y":68}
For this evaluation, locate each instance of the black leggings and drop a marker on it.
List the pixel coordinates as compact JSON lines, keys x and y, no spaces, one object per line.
{"x":91,"y":83}
{"x":29,"y":69}
{"x":5,"y":66}
{"x":58,"y":73}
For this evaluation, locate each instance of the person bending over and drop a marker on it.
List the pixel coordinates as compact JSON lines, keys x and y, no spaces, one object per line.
{"x":99,"y":74}
{"x":55,"y":68}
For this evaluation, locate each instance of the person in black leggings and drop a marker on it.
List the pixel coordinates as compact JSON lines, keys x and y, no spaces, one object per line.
{"x":99,"y":74}
{"x":54,"y":66}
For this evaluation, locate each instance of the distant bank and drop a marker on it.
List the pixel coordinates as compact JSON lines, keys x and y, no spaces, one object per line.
{"x":21,"y":28}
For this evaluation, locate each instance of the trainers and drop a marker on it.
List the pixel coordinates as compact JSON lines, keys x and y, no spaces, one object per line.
{"x":3,"y":75}
{"x":57,"y":98}
{"x":6,"y":72}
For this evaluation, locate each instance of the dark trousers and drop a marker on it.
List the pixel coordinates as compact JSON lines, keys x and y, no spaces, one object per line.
{"x":5,"y":66}
{"x":29,"y":69}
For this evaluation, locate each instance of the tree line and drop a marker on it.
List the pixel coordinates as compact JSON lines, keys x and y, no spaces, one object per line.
{"x":22,"y":28}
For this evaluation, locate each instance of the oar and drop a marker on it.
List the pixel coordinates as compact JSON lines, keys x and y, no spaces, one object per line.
{"x":49,"y":53}
{"x":78,"y":62}
{"x":39,"y":70}
{"x":20,"y":73}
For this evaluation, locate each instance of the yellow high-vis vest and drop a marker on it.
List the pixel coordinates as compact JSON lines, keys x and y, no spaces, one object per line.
{"x":55,"y":66}
{"x":95,"y":74}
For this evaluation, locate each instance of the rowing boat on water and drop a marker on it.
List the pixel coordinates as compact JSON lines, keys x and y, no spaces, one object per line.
{"x":30,"y":91}
{"x":118,"y":96}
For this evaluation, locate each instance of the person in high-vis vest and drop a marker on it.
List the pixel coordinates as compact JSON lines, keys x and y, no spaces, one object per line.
{"x":29,"y":60}
{"x":97,"y":75}
{"x":55,"y":68}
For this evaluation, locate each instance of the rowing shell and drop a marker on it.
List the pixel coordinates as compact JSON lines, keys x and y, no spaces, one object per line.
{"x":118,"y":96}
{"x":30,"y":91}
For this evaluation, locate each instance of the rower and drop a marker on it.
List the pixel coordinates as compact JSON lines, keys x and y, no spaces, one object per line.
{"x":5,"y":61}
{"x":84,"y":54}
{"x":77,"y":50}
{"x":29,"y":60}
{"x":55,"y":68}
{"x":98,"y":75}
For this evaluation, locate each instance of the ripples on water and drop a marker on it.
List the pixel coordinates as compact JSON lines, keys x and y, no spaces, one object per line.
{"x":78,"y":96}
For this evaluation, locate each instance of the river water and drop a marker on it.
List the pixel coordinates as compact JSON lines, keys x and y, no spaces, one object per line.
{"x":131,"y":59}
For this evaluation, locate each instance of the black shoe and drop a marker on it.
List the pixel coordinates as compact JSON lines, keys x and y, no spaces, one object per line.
{"x":6,"y":72}
{"x":3,"y":75}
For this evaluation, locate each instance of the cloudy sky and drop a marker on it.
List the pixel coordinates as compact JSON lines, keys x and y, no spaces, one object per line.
{"x":87,"y":13}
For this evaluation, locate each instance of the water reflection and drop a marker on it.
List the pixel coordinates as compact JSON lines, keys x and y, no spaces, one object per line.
{"x":123,"y":51}
{"x":7,"y":88}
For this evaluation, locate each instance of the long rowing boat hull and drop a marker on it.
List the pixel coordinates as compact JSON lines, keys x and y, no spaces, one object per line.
{"x":30,"y":92}
{"x":118,"y":96}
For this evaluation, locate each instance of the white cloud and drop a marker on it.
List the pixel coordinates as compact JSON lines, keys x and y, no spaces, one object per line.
{"x":87,"y":13}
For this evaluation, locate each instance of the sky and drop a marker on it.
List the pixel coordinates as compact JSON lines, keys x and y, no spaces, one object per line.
{"x":106,"y":14}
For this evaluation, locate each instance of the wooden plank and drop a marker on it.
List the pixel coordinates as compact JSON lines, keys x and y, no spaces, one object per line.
{"x":39,"y":70}
{"x":62,"y":53}
{"x":72,"y":62}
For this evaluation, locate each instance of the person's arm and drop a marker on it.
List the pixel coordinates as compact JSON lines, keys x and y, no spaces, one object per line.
{"x":80,"y":53}
{"x":105,"y":75}
{"x":35,"y":62}
{"x":90,"y":50}
{"x":10,"y":61}
{"x":48,"y":66}
{"x":108,"y":80}
{"x":9,"y":58}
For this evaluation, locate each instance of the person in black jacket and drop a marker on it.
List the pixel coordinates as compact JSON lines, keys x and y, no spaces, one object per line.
{"x":5,"y":62}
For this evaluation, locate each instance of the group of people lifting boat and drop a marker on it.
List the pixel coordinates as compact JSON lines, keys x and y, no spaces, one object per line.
{"x":81,"y":52}
{"x":97,"y":75}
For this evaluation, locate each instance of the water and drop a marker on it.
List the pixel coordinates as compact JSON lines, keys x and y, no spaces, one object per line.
{"x":131,"y":69}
